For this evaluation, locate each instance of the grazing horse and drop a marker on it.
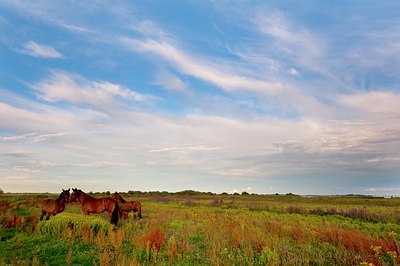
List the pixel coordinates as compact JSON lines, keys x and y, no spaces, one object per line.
{"x":93,"y":205}
{"x":52,"y":207}
{"x":127,"y":206}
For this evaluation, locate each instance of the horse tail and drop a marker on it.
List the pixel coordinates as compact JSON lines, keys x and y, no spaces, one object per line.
{"x":140,"y":210}
{"x":114,"y":215}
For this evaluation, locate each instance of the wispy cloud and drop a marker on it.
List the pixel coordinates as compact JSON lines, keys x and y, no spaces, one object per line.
{"x":214,"y":73}
{"x":35,"y":137}
{"x":74,"y":89}
{"x":377,"y":103}
{"x":104,"y":164}
{"x":383,"y":190}
{"x":170,"y":82}
{"x":38,"y":50}
{"x":18,"y":137}
{"x":11,"y":178}
{"x":46,"y":137}
{"x":27,"y":170}
{"x":297,"y":42}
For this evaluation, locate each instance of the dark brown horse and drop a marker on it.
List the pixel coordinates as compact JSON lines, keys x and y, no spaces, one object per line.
{"x":127,"y":206}
{"x":52,"y":207}
{"x":93,"y":205}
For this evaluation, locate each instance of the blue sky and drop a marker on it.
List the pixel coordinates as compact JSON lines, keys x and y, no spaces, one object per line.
{"x":221,"y":96}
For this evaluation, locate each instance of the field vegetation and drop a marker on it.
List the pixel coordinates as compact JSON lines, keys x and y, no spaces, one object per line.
{"x":192,"y":228}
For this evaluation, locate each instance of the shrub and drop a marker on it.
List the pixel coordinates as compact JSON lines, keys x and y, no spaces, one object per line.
{"x":296,"y":209}
{"x":78,"y":223}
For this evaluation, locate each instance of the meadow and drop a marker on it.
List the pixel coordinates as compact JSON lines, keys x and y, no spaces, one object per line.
{"x":191,"y":228}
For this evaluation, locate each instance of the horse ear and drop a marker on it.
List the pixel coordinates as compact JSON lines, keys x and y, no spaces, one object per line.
{"x":68,"y":189}
{"x":63,"y":190}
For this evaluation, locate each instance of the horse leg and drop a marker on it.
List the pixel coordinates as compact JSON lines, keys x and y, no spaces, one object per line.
{"x":48,"y":216}
{"x":43,"y":213}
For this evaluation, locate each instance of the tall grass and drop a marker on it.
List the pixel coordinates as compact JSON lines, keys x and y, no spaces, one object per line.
{"x":243,"y":230}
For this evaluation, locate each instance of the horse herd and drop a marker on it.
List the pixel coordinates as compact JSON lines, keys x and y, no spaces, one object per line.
{"x":116,"y":206}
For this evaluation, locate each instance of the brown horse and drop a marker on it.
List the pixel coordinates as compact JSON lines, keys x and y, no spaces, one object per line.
{"x":93,"y":205}
{"x":127,"y":206}
{"x":52,"y":207}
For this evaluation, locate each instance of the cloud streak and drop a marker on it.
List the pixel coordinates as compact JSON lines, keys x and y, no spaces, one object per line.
{"x":101,"y":96}
{"x":197,"y":67}
{"x":38,"y":50}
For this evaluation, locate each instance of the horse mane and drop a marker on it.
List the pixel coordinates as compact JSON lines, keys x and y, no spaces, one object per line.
{"x":60,"y":196}
{"x":121,"y":198}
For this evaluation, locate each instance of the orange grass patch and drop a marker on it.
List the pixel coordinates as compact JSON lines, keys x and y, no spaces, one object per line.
{"x":154,"y":239}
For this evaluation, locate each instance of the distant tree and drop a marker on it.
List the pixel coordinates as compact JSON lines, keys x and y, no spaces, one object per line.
{"x":245,"y":193}
{"x":188,"y":192}
{"x":1,"y":192}
{"x":224,"y":193}
{"x":108,"y":192}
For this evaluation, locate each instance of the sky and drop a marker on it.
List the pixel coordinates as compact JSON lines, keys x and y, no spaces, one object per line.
{"x":216,"y":96}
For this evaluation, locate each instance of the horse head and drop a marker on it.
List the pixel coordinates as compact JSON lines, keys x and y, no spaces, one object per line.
{"x":75,"y":194}
{"x":66,"y":195}
{"x":116,"y":196}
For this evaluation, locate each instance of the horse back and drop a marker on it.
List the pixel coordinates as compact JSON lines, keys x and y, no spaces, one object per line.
{"x":94,"y":205}
{"x":110,"y":203}
{"x":131,"y":206}
{"x":52,"y":206}
{"x":48,"y":203}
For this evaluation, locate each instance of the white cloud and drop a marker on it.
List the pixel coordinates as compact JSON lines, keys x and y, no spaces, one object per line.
{"x":43,"y":120}
{"x":46,"y":137}
{"x":103,"y":96}
{"x":170,"y":82}
{"x":293,"y":72}
{"x":27,"y":170}
{"x":38,"y":50}
{"x":375,"y":103}
{"x":13,"y":178}
{"x":18,"y":137}
{"x":229,"y":76}
{"x":150,"y":29}
{"x":384,"y":159}
{"x":201,"y":68}
{"x":185,"y":149}
{"x":298,"y":43}
{"x":383,"y":189}
{"x":43,"y":164}
{"x":103,"y":164}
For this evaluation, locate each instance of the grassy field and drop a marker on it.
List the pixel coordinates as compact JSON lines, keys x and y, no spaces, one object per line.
{"x":206,"y":229}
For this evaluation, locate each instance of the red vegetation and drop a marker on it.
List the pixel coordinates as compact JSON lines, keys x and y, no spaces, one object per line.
{"x":4,"y":206}
{"x":14,"y":221}
{"x":153,"y":239}
{"x":358,"y":242}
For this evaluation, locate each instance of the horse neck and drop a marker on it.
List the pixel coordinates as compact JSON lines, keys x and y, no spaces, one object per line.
{"x":61,"y":199}
{"x":83,"y":196}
